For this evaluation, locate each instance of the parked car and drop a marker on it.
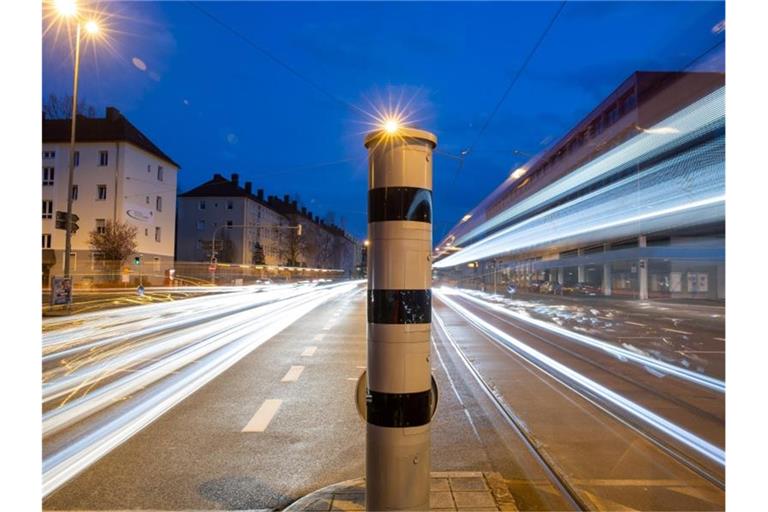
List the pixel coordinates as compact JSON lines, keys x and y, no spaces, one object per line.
{"x":535,"y":285}
{"x":511,"y":289}
{"x":586,"y":289}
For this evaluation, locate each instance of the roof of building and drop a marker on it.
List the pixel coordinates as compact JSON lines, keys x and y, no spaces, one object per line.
{"x":112,"y":127}
{"x":219,"y":186}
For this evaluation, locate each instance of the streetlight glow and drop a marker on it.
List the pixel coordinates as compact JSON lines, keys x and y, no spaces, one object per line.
{"x":92,"y":27}
{"x":66,"y":8}
{"x":391,"y":125}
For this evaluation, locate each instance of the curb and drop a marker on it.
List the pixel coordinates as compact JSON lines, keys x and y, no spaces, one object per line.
{"x":448,"y":491}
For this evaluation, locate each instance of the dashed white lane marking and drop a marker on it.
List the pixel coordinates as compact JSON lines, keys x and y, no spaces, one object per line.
{"x":720,"y":339}
{"x":679,"y":332}
{"x":293,"y":374}
{"x":309,"y":351}
{"x":361,"y":367}
{"x":353,"y":378}
{"x":635,"y":323}
{"x":263,"y":416}
{"x":318,"y":337}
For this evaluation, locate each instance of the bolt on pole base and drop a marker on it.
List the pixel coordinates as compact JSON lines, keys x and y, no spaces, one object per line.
{"x":399,"y":397}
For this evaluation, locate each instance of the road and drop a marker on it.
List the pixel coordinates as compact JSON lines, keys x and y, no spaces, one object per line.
{"x":245,"y":401}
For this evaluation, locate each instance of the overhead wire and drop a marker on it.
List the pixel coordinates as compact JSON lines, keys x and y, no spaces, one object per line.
{"x":466,"y":152}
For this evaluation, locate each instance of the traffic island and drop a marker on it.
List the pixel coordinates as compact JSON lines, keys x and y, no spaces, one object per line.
{"x":449,"y":490}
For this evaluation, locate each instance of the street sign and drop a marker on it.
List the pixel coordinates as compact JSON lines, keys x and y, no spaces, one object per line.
{"x":61,"y":290}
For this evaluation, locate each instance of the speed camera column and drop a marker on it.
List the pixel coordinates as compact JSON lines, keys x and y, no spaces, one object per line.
{"x":399,"y":402}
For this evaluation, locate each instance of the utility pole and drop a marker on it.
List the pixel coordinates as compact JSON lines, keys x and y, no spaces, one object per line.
{"x":71,"y":174}
{"x":399,"y":397}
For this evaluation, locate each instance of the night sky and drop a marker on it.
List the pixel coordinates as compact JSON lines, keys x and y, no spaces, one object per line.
{"x":215,"y":103}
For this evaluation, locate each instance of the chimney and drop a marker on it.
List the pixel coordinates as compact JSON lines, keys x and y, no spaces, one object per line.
{"x":260,"y":194}
{"x":303,"y":210}
{"x":217,"y":176}
{"x":295,"y":206}
{"x":113,"y":114}
{"x":317,"y":219}
{"x":286,"y":199}
{"x":248,"y":186}
{"x":235,"y":178}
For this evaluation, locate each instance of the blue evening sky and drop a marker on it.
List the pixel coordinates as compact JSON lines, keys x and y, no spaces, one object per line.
{"x":216,"y":104}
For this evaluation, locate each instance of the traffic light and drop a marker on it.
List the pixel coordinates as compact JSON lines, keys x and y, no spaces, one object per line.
{"x":137,"y":260}
{"x":61,"y":221}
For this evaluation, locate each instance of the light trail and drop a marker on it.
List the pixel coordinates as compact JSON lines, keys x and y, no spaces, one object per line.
{"x":681,"y":190}
{"x":618,"y":352}
{"x":555,"y":368}
{"x":135,"y":400}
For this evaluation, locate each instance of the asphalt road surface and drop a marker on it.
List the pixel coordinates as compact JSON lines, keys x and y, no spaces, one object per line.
{"x":280,"y":420}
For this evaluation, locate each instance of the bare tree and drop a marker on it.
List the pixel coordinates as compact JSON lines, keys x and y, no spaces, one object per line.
{"x":60,"y":107}
{"x":294,"y":247}
{"x":116,"y":242}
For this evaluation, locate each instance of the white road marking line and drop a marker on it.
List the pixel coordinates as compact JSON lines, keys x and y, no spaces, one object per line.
{"x":635,"y":323}
{"x":293,"y":374}
{"x":309,"y":351}
{"x":263,"y":416}
{"x":353,"y":378}
{"x":319,"y":337}
{"x":361,"y":367}
{"x":679,"y":332}
{"x":720,"y":339}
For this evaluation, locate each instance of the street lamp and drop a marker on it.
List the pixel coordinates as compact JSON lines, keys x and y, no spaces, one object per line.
{"x":68,"y":9}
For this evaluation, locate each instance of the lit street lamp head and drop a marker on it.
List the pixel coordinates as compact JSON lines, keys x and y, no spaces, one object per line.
{"x":66,"y":8}
{"x":391,"y":125}
{"x":92,"y":27}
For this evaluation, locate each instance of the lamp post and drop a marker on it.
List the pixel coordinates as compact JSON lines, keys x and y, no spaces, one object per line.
{"x":68,"y":9}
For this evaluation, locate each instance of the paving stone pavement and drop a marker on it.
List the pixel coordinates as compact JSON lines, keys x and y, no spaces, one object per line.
{"x":462,"y":491}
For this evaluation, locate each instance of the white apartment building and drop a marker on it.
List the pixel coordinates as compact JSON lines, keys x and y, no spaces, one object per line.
{"x":242,"y":222}
{"x":119,"y":174}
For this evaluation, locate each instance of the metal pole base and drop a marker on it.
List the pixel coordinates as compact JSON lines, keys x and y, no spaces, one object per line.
{"x":397,"y":463}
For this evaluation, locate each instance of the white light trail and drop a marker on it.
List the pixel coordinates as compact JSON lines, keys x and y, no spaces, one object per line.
{"x":618,"y":352}
{"x":648,"y":417}
{"x":704,"y":114}
{"x":168,"y":380}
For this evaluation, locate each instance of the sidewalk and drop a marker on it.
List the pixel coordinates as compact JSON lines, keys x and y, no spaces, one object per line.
{"x":451,"y":490}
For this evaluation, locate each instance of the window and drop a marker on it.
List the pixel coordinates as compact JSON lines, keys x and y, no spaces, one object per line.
{"x":157,"y":233}
{"x":75,"y":192}
{"x":229,"y":224}
{"x":201,"y":205}
{"x":46,"y":240}
{"x":47,"y":175}
{"x":101,"y":192}
{"x":103,"y":158}
{"x":159,"y":203}
{"x":200,"y":225}
{"x":146,"y":231}
{"x":101,"y":226}
{"x":49,"y":154}
{"x":97,"y":260}
{"x":47,"y":209}
{"x":149,"y":168}
{"x":156,"y":263}
{"x":77,"y":158}
{"x":159,"y":173}
{"x":230,"y":204}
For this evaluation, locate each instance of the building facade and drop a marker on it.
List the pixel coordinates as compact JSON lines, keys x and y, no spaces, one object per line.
{"x":247,"y":230}
{"x":630,"y":201}
{"x":119,"y":175}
